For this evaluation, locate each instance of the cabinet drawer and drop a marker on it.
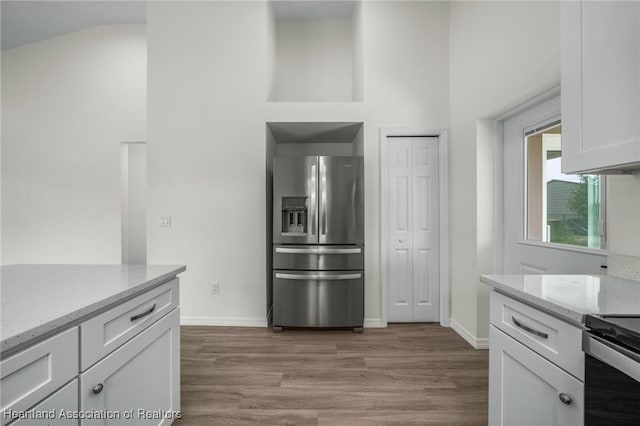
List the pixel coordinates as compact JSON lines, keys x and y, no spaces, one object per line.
{"x":554,"y":339}
{"x":104,"y":333}
{"x":59,"y":409}
{"x":29,"y":376}
{"x":141,"y":377}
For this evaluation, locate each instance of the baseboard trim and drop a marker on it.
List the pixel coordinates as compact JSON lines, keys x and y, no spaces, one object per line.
{"x":477,"y":343}
{"x":224,"y":321}
{"x":373,"y":323}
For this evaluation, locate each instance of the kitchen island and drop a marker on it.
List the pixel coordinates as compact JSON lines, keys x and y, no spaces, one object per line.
{"x":89,"y":343}
{"x":536,"y":363}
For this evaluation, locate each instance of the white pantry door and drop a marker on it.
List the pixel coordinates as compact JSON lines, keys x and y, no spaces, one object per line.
{"x":413,"y":237}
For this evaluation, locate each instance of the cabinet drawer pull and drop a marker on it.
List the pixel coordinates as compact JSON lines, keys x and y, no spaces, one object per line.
{"x":529,"y":329}
{"x":97,"y":388}
{"x":566,"y":399}
{"x":144,"y":314}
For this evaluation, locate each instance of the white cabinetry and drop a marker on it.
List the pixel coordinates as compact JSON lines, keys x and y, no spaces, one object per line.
{"x":600,"y":86}
{"x":34,"y":373}
{"x":526,"y":386}
{"x":124,"y":369}
{"x":103,"y":333}
{"x":140,"y":378}
{"x":59,"y":409}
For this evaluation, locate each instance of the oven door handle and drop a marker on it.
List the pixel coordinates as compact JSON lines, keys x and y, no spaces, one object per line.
{"x":622,"y":359}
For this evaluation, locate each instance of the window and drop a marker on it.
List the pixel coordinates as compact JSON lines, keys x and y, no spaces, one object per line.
{"x":560,"y":209}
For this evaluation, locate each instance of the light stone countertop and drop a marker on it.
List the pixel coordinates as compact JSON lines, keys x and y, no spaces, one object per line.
{"x":571,"y":297}
{"x":37,"y":300}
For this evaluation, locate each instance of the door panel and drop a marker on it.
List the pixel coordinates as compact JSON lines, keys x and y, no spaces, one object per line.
{"x":426,"y":236}
{"x":413,"y":238}
{"x":295,"y":199}
{"x":524,"y":387}
{"x":143,"y":374}
{"x":401,"y":290}
{"x":423,"y":268}
{"x":341,"y":200}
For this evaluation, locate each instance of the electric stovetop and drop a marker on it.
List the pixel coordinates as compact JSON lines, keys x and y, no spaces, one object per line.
{"x":621,"y":329}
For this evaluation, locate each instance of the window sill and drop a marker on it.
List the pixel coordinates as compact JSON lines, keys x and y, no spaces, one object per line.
{"x":565,"y":247}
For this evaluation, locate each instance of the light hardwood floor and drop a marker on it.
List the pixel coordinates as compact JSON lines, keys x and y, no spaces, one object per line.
{"x":406,"y":374}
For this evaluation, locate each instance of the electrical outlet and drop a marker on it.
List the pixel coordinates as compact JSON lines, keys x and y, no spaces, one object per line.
{"x":215,"y":288}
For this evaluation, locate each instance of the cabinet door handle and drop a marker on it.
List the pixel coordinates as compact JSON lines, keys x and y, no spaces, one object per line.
{"x":97,"y":388}
{"x":566,"y":399}
{"x":144,"y":314}
{"x":529,"y":329}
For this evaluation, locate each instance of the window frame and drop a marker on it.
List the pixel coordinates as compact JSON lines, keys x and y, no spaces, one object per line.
{"x":523,"y":237}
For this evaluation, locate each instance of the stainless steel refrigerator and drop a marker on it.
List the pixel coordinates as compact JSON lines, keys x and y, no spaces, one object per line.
{"x":318,"y":242}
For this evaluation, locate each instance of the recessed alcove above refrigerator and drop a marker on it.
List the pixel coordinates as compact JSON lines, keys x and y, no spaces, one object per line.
{"x":299,"y":139}
{"x":316,"y":51}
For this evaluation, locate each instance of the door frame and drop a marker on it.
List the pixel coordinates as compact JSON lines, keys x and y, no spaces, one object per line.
{"x":443,"y":185}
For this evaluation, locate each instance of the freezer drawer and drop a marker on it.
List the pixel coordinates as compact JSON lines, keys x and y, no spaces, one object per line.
{"x":324,"y":258}
{"x":318,"y":299}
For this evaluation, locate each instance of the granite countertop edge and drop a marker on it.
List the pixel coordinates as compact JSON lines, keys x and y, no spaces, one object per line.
{"x":570,"y":315}
{"x":19,"y":341}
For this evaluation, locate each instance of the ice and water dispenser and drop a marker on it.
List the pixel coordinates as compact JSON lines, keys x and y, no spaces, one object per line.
{"x":294,"y":215}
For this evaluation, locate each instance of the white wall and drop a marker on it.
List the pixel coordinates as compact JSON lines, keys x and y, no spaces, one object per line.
{"x":314,"y":59}
{"x":206,"y":146}
{"x":501,"y":54}
{"x":134,"y":203}
{"x":67,"y":104}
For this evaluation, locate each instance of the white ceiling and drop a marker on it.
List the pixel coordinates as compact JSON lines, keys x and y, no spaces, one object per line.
{"x":25,"y":22}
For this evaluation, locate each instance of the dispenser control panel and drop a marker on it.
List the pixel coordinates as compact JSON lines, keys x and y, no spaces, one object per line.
{"x":294,"y":215}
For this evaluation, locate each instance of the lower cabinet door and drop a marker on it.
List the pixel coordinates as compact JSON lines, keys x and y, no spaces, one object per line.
{"x":139,"y":383}
{"x":59,"y":409}
{"x":527,"y":390}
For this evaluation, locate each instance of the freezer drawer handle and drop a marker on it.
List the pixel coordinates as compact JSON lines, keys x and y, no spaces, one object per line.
{"x":319,"y":250}
{"x":144,"y":314}
{"x":529,"y":329}
{"x":318,"y":277}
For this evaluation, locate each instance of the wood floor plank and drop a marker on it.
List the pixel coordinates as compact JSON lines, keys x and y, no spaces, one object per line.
{"x":405,"y":374}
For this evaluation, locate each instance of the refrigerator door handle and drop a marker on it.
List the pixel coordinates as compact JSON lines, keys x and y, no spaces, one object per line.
{"x":323,"y":277}
{"x":323,"y":194}
{"x":318,"y":250}
{"x":313,"y":190}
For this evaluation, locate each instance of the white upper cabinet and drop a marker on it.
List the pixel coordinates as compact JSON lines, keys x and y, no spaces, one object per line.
{"x":600,"y":87}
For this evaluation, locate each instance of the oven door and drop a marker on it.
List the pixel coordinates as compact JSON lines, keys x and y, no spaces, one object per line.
{"x":612,"y":383}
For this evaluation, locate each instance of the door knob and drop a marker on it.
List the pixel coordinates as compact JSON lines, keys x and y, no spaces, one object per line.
{"x":97,"y":388}
{"x":401,"y":240}
{"x":566,"y":399}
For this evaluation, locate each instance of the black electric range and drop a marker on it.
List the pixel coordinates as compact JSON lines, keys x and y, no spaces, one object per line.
{"x":621,"y":329}
{"x":611,"y":345}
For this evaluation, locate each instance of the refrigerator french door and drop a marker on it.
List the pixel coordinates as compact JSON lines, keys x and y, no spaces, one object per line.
{"x":318,"y":234}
